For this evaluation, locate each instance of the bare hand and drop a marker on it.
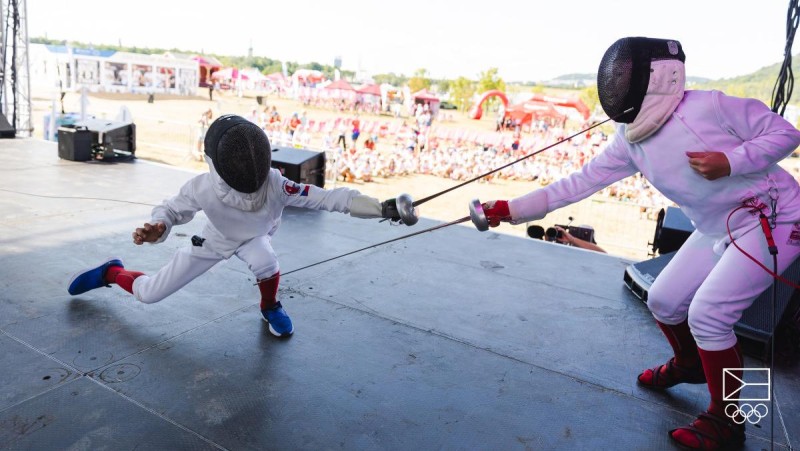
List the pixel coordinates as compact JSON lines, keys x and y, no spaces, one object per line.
{"x":710,"y":165}
{"x":565,"y":237}
{"x":149,"y":233}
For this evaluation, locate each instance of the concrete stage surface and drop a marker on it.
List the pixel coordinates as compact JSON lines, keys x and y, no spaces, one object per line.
{"x":452,"y":340}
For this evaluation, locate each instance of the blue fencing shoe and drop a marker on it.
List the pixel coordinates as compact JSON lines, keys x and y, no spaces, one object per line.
{"x":279,"y":322}
{"x":92,"y":278}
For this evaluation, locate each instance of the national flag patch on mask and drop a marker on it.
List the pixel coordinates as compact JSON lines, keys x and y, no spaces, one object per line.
{"x":293,"y":189}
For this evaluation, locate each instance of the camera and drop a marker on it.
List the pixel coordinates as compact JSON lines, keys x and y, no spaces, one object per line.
{"x":553,"y":235}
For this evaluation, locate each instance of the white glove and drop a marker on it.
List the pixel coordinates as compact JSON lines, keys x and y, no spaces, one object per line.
{"x":365,"y":207}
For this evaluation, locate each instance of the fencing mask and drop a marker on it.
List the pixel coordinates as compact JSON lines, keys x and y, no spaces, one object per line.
{"x":240,"y":152}
{"x":624,"y":74}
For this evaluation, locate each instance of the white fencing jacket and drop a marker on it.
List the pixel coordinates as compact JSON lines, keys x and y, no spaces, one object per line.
{"x":234,"y":217}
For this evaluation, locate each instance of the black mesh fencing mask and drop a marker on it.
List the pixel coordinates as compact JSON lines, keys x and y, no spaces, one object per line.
{"x":240,"y":152}
{"x":624,"y":73}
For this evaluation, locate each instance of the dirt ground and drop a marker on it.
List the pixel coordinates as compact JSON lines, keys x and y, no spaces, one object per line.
{"x":166,"y":132}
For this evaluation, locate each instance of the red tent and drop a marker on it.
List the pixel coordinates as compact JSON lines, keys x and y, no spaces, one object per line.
{"x":574,"y":102}
{"x":340,"y":84}
{"x":425,"y":96}
{"x":340,"y":89}
{"x":524,"y":113}
{"x":208,"y":65}
{"x":373,"y":90}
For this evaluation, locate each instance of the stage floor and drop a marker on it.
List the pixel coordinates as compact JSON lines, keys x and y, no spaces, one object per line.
{"x":453,"y":339}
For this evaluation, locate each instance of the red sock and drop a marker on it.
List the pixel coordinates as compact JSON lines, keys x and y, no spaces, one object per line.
{"x":269,"y":290}
{"x":122,"y":277}
{"x":713,"y":364}
{"x":682,"y":342}
{"x":683,"y":345}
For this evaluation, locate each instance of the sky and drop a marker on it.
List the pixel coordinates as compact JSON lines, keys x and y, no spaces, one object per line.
{"x":531,"y":40}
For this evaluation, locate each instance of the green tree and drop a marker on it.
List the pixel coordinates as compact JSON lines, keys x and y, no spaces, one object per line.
{"x":461,"y":91}
{"x":391,"y":78}
{"x":489,"y":80}
{"x":590,"y":97}
{"x":419,"y":81}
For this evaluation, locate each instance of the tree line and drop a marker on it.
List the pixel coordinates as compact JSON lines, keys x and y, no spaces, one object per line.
{"x":462,"y":90}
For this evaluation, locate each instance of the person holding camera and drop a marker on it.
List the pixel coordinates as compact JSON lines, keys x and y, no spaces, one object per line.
{"x":564,"y":237}
{"x":715,"y":156}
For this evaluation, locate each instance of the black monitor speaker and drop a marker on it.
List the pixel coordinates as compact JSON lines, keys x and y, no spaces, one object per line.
{"x":300,"y":165}
{"x":6,"y":129}
{"x":672,"y":230}
{"x":755,"y":326}
{"x":113,"y":134}
{"x":75,"y":143}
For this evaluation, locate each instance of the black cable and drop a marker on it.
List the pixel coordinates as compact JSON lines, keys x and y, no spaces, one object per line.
{"x":46,"y":196}
{"x":3,"y":48}
{"x":15,"y":22}
{"x":784,"y":85}
{"x":772,"y":356}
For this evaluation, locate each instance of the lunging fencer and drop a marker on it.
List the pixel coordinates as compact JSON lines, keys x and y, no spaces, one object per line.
{"x":710,"y":154}
{"x":243,"y":199}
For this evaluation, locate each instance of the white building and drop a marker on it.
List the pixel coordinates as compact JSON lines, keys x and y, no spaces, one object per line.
{"x":71,"y":69}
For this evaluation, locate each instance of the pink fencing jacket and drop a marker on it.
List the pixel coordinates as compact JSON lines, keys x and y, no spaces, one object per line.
{"x":753,"y":138}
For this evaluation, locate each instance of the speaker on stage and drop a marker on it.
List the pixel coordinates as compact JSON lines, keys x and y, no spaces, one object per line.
{"x":113,"y":134}
{"x":756,"y":322}
{"x":75,"y":143}
{"x":6,"y":129}
{"x":672,"y":230}
{"x":300,"y":165}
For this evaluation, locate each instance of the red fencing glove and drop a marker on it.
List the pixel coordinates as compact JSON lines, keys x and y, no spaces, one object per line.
{"x":496,"y":211}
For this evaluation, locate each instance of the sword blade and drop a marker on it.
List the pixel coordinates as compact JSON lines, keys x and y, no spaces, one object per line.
{"x":430,"y":229}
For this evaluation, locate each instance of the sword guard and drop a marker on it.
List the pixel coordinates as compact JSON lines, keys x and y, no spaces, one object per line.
{"x":406,"y":210}
{"x":477,"y":215}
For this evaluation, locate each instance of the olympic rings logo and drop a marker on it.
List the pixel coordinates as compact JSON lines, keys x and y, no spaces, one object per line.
{"x":746,"y":412}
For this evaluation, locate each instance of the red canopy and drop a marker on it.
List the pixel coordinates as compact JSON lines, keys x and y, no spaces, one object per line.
{"x":207,"y":61}
{"x":574,"y":102}
{"x":208,"y":64}
{"x":374,"y":90}
{"x":425,"y":96}
{"x":525,"y":112}
{"x":309,"y":75}
{"x":340,"y":84}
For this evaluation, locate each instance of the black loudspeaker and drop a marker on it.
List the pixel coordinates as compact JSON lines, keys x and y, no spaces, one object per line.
{"x":672,"y":230}
{"x":75,"y":143}
{"x":756,"y":322}
{"x":640,"y":276}
{"x":6,"y":129}
{"x":300,"y":165}
{"x":113,"y":134}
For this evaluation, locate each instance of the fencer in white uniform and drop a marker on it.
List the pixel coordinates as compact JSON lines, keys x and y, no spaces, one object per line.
{"x":716,"y":157}
{"x":243,"y":200}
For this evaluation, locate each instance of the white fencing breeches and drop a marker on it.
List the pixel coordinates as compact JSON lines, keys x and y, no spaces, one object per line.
{"x":713,"y":290}
{"x":190,"y":262}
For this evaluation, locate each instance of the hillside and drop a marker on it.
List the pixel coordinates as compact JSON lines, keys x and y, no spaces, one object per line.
{"x":758,"y":84}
